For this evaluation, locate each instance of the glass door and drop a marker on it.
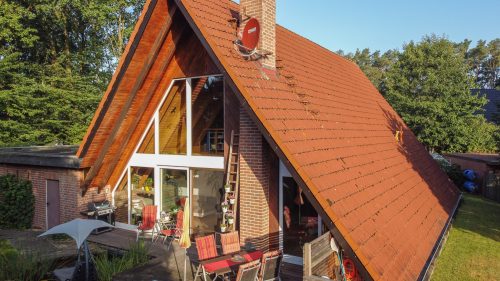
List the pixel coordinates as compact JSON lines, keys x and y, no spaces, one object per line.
{"x":174,"y":190}
{"x":300,"y":220}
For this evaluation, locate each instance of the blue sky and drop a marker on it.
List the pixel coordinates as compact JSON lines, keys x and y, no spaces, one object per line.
{"x":387,"y":24}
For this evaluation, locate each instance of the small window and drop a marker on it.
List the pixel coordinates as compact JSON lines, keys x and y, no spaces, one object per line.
{"x":148,"y":144}
{"x":207,"y":101}
{"x":172,"y":128}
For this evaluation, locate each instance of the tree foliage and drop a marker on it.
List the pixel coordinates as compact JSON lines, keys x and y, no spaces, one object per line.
{"x":429,"y":84}
{"x":56,"y":59}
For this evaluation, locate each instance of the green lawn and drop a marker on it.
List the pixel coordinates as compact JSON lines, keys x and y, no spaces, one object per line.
{"x":472,"y":251}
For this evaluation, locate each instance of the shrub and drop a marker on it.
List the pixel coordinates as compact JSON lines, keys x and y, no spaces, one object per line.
{"x":16,"y":202}
{"x":22,"y":266}
{"x":107,"y":266}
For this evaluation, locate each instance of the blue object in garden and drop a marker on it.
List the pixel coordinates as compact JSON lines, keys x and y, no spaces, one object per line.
{"x":470,"y":186}
{"x":470,"y":174}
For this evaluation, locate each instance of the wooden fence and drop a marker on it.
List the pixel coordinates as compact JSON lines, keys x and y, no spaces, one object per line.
{"x":320,"y":261}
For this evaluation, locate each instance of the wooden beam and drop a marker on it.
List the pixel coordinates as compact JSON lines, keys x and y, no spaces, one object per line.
{"x":171,"y":42}
{"x":116,"y":80}
{"x":137,"y":85}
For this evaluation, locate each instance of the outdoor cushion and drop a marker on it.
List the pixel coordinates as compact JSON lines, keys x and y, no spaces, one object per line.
{"x":230,"y":242}
{"x":206,"y":247}
{"x":148,"y":217}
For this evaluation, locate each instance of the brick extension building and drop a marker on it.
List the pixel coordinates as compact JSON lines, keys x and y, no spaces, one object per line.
{"x":320,"y":148}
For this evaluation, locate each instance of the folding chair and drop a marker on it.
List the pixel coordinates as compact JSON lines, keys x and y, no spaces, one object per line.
{"x":148,"y":221}
{"x":248,"y":271}
{"x":174,"y":233}
{"x":230,"y":242}
{"x":271,"y":266}
{"x":206,"y":250}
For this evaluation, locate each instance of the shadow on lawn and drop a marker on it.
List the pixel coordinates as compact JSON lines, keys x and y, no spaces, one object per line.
{"x":479,"y":215}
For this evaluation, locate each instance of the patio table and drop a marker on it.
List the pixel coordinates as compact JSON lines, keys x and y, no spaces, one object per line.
{"x":228,"y":263}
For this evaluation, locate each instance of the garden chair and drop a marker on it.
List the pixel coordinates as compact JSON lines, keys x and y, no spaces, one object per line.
{"x":271,"y":266}
{"x":248,"y":271}
{"x":230,"y":242}
{"x":206,"y":250}
{"x":148,"y":222}
{"x":174,"y":232}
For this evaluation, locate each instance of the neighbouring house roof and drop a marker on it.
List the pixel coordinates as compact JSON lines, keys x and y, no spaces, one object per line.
{"x":491,"y":108}
{"x":59,"y":156}
{"x":490,"y":159}
{"x":388,"y":199}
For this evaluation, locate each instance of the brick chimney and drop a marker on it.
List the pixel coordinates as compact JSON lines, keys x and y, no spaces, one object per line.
{"x":265,"y":12}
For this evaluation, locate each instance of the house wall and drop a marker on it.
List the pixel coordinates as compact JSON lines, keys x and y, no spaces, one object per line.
{"x":480,"y":168}
{"x":258,"y":220}
{"x":71,"y":200}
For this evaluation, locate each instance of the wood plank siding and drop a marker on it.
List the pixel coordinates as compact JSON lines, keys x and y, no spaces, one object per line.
{"x":168,"y":49}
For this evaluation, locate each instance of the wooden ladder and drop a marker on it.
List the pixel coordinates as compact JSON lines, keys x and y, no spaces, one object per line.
{"x":232,"y":180}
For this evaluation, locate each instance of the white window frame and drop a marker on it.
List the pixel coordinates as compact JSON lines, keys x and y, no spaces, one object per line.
{"x":160,"y":161}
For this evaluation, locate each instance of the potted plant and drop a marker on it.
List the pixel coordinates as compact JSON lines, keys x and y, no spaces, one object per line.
{"x":230,"y":219}
{"x":227,"y":188}
{"x":232,"y":199}
{"x":225,"y":206}
{"x":223,"y":227}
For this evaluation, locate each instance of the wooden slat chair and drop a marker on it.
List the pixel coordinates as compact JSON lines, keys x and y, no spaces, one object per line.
{"x":248,"y":271}
{"x":206,"y":250}
{"x":271,"y":266}
{"x":230,"y":242}
{"x":148,"y":221}
{"x":173,"y":233}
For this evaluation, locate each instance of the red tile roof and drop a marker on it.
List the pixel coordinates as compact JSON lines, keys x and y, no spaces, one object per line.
{"x":389,"y":199}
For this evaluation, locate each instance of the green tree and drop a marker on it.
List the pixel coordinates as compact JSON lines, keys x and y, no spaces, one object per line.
{"x":375,"y":65}
{"x":484,"y":61}
{"x":56,"y":59}
{"x":430,"y":87}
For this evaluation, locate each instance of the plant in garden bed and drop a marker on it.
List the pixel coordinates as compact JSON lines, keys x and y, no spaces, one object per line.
{"x":16,"y":265}
{"x":107,"y":266}
{"x":225,"y":206}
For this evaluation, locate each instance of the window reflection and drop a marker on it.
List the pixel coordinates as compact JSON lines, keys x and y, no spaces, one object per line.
{"x":142,"y":191}
{"x":121,"y":200}
{"x":206,"y":197}
{"x":208,"y":115}
{"x":172,"y":126}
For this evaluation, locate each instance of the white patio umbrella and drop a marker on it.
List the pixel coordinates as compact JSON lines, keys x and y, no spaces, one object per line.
{"x":79,"y":230}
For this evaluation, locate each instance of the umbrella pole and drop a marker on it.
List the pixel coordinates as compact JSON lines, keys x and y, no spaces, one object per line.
{"x":185,"y":264}
{"x":86,"y":246}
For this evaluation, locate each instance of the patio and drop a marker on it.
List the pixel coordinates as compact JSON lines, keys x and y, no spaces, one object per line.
{"x":166,"y":264}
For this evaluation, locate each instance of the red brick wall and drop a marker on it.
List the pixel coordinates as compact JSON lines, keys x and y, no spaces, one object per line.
{"x":254,"y":184}
{"x":71,"y":201}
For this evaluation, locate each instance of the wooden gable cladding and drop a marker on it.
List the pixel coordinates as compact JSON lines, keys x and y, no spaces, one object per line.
{"x":174,"y":52}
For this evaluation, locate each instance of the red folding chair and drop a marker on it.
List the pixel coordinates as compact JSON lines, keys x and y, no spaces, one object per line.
{"x":148,"y":221}
{"x":206,"y":250}
{"x":230,"y":242}
{"x":174,"y":233}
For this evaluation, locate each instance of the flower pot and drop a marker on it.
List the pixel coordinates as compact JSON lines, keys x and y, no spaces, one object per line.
{"x":232,"y":201}
{"x":224,"y":209}
{"x":227,"y":189}
{"x":223,"y":229}
{"x":230,"y":221}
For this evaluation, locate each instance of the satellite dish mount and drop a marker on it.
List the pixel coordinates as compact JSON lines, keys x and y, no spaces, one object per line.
{"x":247,"y":44}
